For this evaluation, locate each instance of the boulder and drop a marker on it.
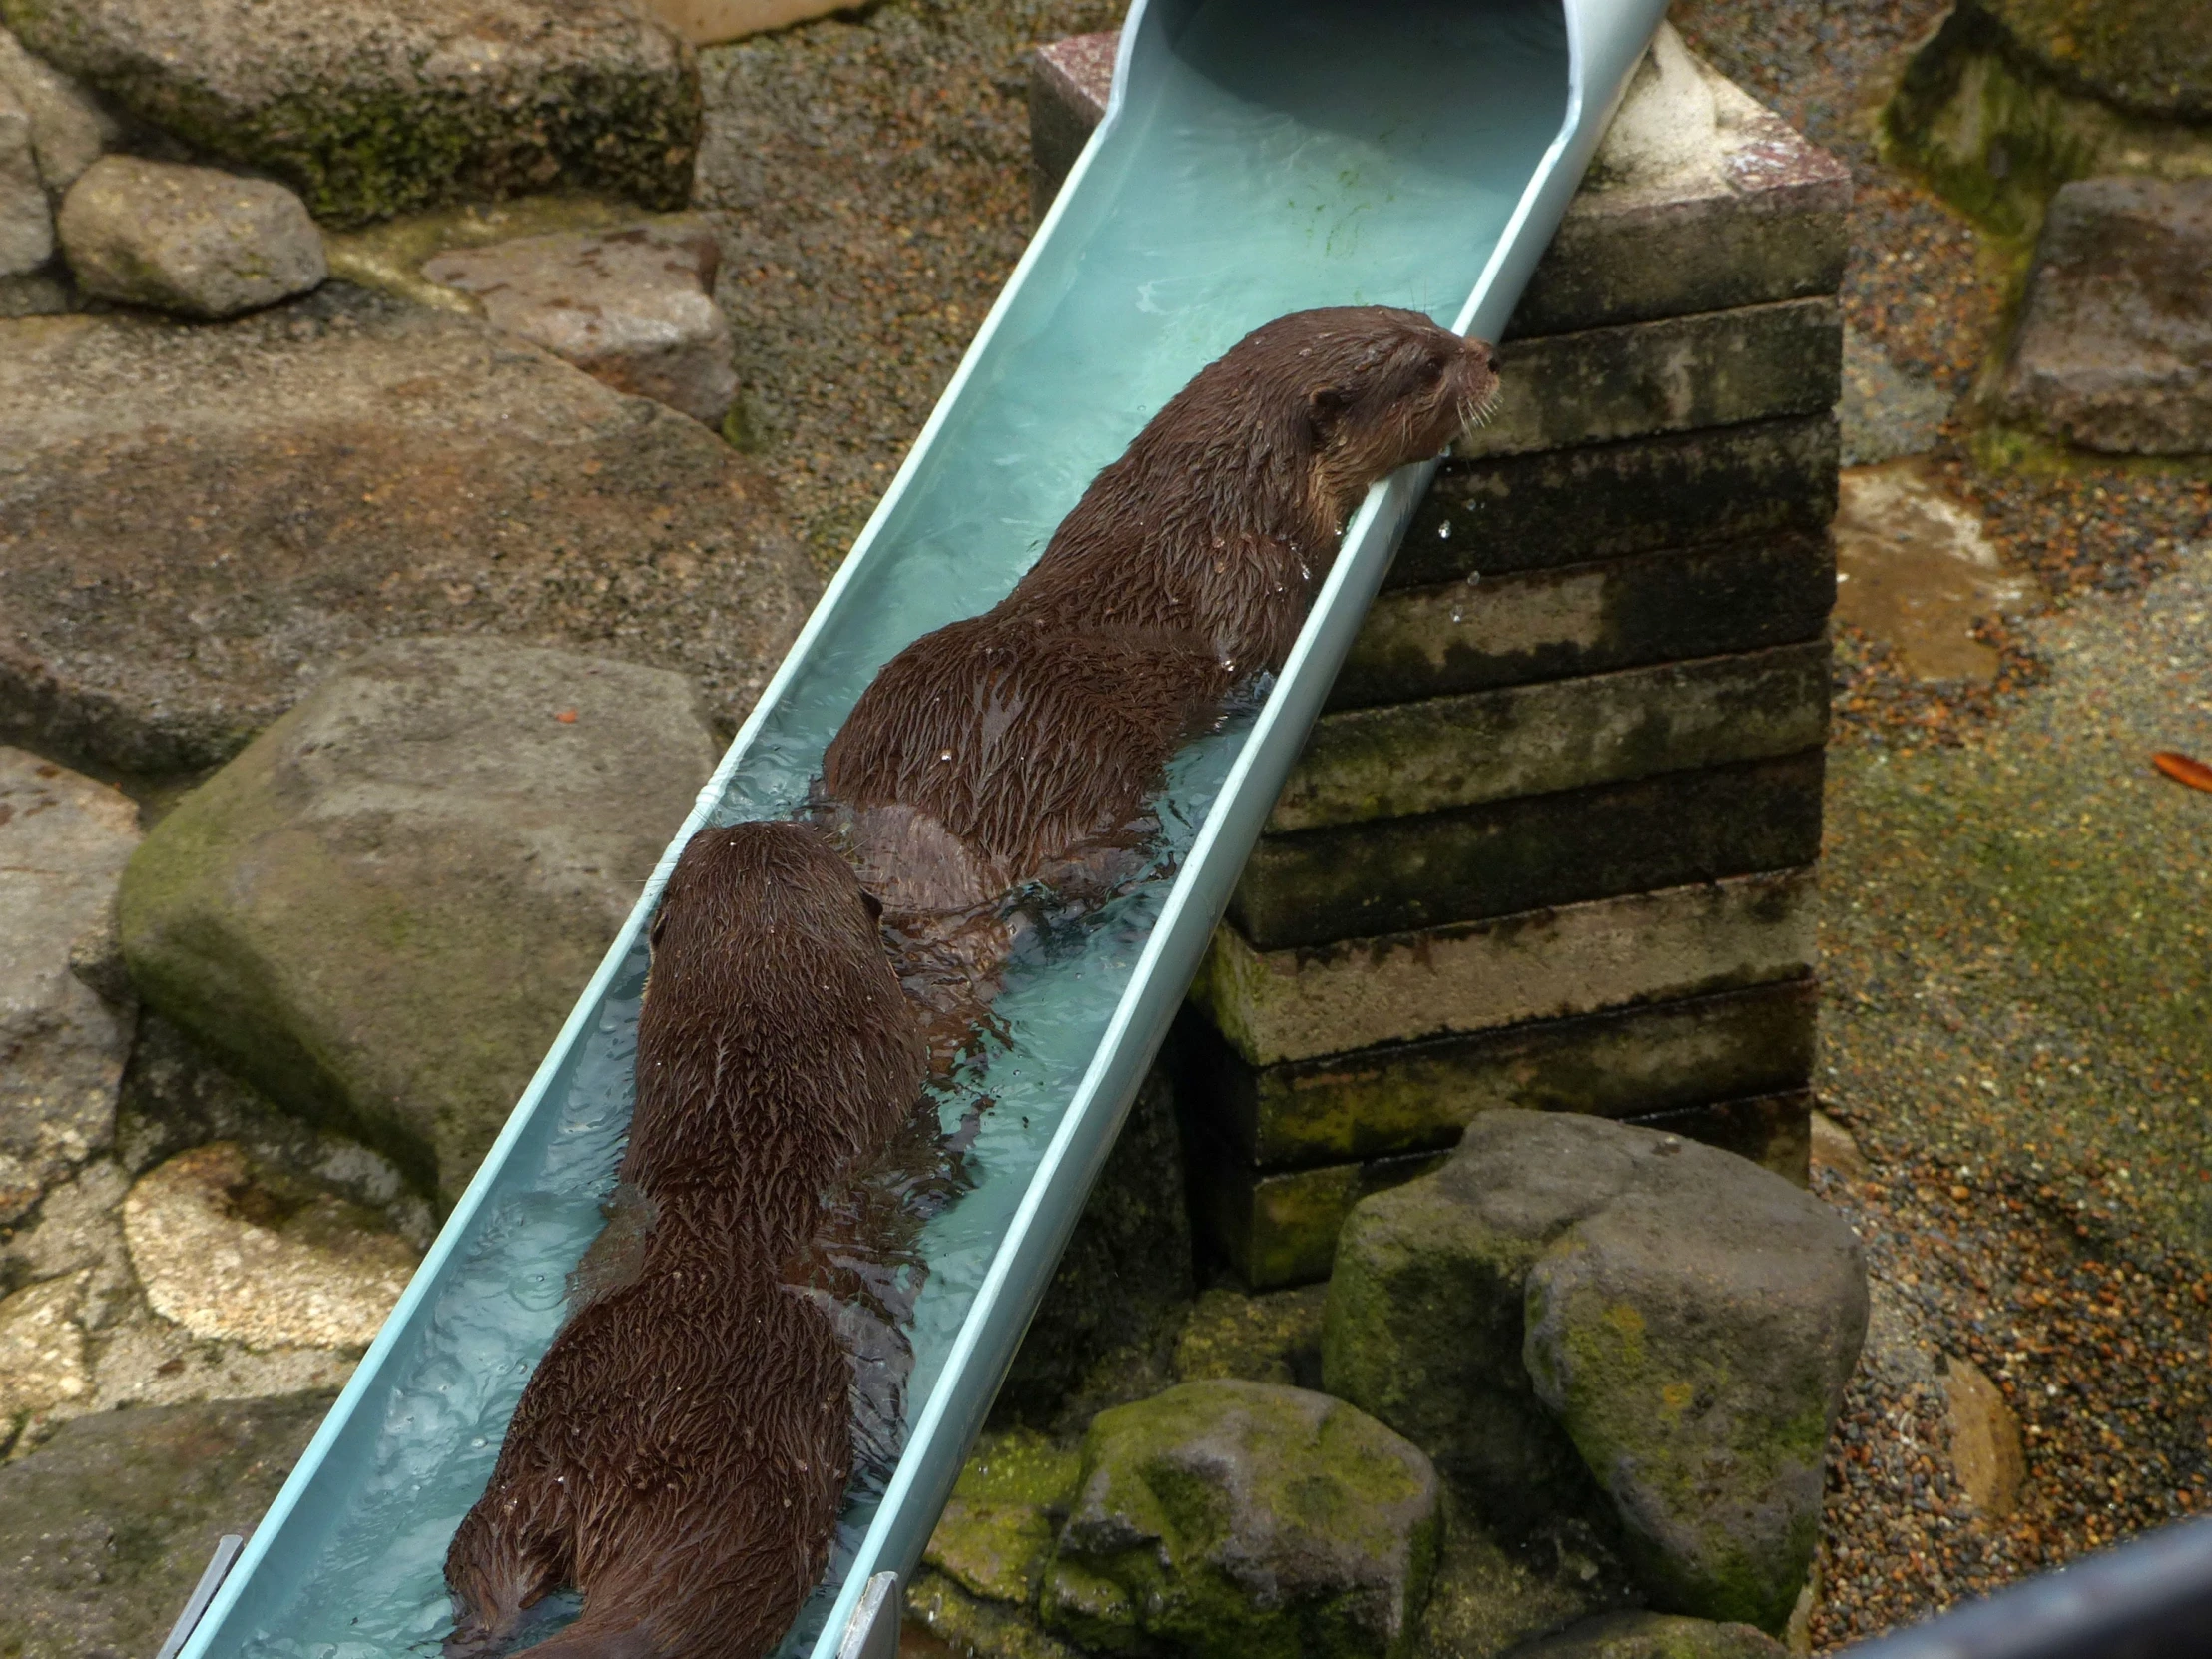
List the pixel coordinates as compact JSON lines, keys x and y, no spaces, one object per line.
{"x":381,"y":911}
{"x":69,"y":126}
{"x":1242,"y":1518}
{"x":2114,"y":345}
{"x":26,"y":219}
{"x":1573,"y":1304}
{"x":2148,"y":57}
{"x":995,"y":1534}
{"x":1694,"y":1336}
{"x":189,"y":240}
{"x":1653,"y":1636}
{"x":196,"y":520}
{"x":105,"y":1529}
{"x":633,"y":308}
{"x":229,"y":1246}
{"x":63,"y":842}
{"x":377,"y":107}
{"x":1423,"y":1328}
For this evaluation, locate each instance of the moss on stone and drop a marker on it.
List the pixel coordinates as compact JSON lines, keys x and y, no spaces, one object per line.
{"x":1234,"y":1518}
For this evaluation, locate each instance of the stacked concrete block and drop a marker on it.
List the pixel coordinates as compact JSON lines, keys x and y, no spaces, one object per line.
{"x":1553,"y":843}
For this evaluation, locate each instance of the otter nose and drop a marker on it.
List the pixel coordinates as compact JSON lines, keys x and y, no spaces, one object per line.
{"x":1486,"y":353}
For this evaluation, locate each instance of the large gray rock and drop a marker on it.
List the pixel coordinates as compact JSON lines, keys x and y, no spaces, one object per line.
{"x":69,"y":126}
{"x":1694,"y":1336}
{"x":1232,"y":1519}
{"x":381,"y":911}
{"x":196,"y":520}
{"x":105,"y":1529}
{"x":1676,"y":1320}
{"x":26,"y":219}
{"x":63,"y":843}
{"x":189,"y":240}
{"x":2114,"y":348}
{"x":374,"y":107}
{"x":633,"y":308}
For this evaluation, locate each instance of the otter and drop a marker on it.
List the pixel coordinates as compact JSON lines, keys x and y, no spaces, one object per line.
{"x":775,"y":1053}
{"x":1024,"y":745}
{"x":681,"y":1452}
{"x":679,"y":1455}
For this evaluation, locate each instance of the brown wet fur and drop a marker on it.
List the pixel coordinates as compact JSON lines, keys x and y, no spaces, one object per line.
{"x":681,"y":1452}
{"x":1037,"y":729}
{"x":679,"y":1455}
{"x":775,"y":1053}
{"x":1024,"y":744}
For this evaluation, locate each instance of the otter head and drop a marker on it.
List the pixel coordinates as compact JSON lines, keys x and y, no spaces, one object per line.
{"x":746,"y":886}
{"x":1378,"y":387}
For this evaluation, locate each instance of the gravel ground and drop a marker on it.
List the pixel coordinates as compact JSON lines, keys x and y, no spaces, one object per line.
{"x":2017,"y":960}
{"x":871,"y":178}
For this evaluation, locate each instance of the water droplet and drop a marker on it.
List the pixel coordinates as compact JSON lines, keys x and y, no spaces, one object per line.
{"x":1456,"y":614}
{"x":1474,"y":578}
{"x":1444,"y":531}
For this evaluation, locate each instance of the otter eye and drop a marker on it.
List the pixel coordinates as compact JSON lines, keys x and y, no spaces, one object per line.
{"x":1433,"y":369}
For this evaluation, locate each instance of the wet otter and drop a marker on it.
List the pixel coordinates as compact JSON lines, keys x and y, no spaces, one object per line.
{"x":1024,"y":745}
{"x":776,"y":1054}
{"x":681,"y":1451}
{"x":679,"y":1455}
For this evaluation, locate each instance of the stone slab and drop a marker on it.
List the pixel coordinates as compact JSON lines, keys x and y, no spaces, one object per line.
{"x":1417,"y":1097}
{"x":381,"y":106}
{"x":1298,"y":1004}
{"x":1775,"y":1131}
{"x":1463,"y":636}
{"x":1391,"y":875}
{"x":1676,"y":374}
{"x":1709,"y":202}
{"x":1278,"y":1228}
{"x":1360,"y":764}
{"x":2114,"y":345}
{"x":1605,"y":501}
{"x":196,"y":521}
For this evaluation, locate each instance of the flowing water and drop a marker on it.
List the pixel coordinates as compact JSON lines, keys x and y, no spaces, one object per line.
{"x":1293,"y":156}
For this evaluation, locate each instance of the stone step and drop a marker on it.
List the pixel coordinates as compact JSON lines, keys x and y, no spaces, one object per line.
{"x":1417,"y":1097}
{"x":1533,"y":625}
{"x":1300,"y":1004}
{"x":1676,"y":374}
{"x":1389,"y":875}
{"x":1278,"y":1228}
{"x":1406,"y":759}
{"x":1607,"y":500}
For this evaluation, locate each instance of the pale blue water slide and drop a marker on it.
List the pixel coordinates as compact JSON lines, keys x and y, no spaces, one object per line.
{"x":1259,"y":157}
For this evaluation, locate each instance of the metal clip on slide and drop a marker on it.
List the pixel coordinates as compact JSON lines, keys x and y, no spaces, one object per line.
{"x":217,"y":1569}
{"x":873,"y":1631}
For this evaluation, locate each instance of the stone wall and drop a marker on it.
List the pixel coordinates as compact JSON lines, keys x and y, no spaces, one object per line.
{"x":1553,"y":843}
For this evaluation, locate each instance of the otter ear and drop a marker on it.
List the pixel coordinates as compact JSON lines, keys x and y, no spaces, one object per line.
{"x":1323,"y":411}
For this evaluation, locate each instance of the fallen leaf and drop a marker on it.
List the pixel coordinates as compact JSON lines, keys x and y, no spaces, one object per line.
{"x":567,"y":717}
{"x":2182,"y":769}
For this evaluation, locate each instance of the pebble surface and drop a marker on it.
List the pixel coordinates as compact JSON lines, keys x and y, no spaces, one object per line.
{"x":870,"y":180}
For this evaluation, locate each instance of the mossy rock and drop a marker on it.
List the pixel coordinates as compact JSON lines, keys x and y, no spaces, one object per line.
{"x":1246,"y":1519}
{"x":380,"y":912}
{"x":378,"y":107}
{"x":1653,"y":1636}
{"x":996,"y":1530}
{"x":2013,"y":98}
